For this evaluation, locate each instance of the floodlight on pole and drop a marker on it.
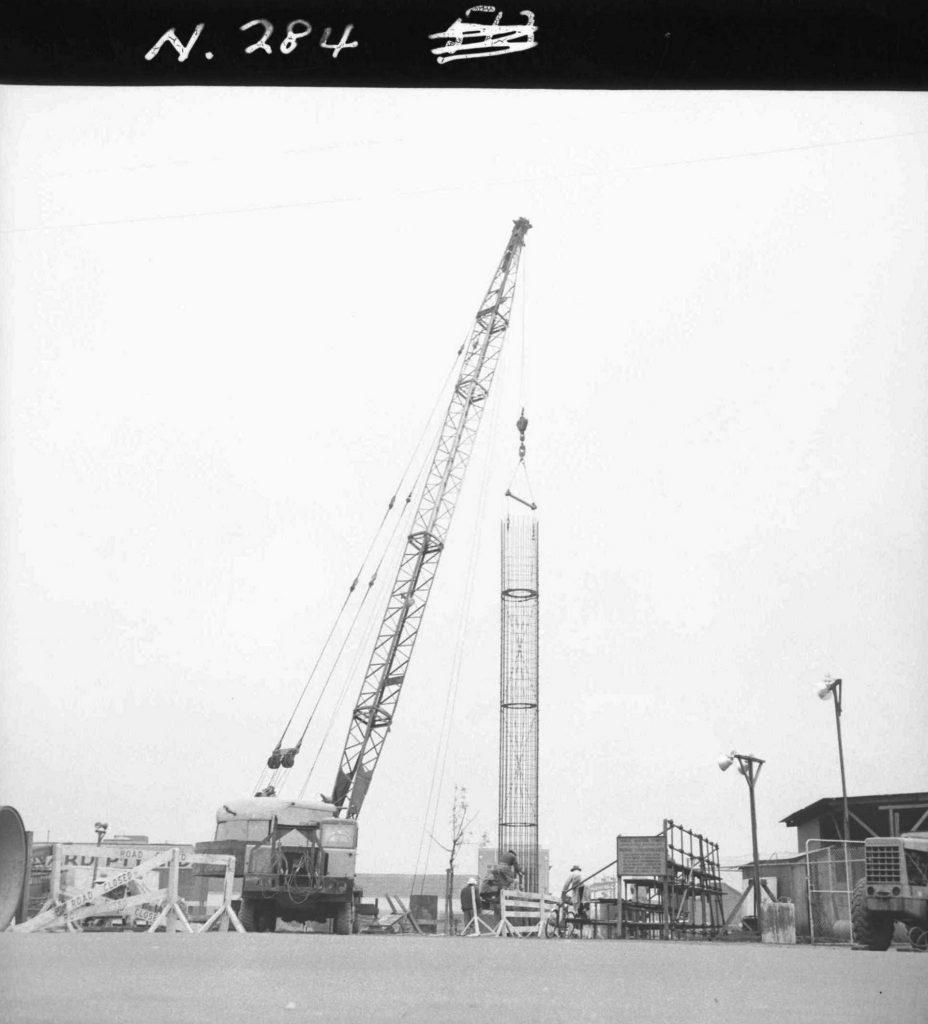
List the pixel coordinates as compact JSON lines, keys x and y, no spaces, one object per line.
{"x":749,"y":766}
{"x":832,"y":688}
{"x":100,"y":828}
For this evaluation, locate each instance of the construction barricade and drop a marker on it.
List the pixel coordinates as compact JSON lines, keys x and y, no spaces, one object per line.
{"x":128,"y":896}
{"x":521,"y":915}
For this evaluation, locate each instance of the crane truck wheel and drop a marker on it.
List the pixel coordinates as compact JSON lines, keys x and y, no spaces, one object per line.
{"x":874,"y":931}
{"x":248,"y":915}
{"x":344,"y":918}
{"x":267,"y":918}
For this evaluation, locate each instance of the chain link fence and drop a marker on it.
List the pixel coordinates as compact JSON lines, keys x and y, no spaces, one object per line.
{"x":834,"y":867}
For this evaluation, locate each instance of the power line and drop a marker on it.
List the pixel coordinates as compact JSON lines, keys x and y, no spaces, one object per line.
{"x":534,"y":179}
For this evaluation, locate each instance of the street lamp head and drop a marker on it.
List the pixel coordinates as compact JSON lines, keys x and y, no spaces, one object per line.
{"x":827,"y":688}
{"x":726,"y":761}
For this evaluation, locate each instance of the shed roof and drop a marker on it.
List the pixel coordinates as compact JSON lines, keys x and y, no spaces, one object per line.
{"x":828,"y":805}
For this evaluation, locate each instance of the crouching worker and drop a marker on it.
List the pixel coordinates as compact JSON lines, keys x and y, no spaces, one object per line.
{"x":504,"y":875}
{"x":512,"y":870}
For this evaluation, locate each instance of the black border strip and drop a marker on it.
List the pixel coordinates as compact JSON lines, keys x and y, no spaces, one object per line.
{"x":627,"y":44}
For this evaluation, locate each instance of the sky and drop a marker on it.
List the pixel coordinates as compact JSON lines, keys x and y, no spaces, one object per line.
{"x":225,"y":318}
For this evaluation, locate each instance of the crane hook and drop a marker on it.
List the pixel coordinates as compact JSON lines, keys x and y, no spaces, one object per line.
{"x":522,"y":426}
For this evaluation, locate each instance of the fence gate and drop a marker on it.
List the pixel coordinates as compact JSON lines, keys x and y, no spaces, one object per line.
{"x":833,"y":868}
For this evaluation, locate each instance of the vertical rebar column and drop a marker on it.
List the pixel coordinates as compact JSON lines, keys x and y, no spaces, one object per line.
{"x":518,"y":700}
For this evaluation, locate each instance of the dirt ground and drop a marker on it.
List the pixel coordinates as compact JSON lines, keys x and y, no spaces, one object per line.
{"x":173,"y":979}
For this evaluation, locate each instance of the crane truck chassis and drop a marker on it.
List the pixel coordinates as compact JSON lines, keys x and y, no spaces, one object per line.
{"x":296,"y":861}
{"x":894,"y":888}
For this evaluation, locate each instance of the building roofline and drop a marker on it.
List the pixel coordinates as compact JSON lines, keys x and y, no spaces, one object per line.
{"x":831,"y":803}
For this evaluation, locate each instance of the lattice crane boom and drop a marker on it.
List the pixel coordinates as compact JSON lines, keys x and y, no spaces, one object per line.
{"x":389,"y":661}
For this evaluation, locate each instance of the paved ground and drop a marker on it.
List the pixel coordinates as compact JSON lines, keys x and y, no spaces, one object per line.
{"x":363,"y":979}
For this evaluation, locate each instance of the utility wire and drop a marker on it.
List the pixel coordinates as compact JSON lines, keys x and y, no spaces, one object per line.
{"x":611,"y":172}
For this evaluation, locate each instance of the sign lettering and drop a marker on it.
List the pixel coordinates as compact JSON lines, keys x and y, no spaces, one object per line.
{"x":640,"y":855}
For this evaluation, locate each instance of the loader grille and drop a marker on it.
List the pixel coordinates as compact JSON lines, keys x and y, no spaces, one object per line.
{"x":883,"y":864}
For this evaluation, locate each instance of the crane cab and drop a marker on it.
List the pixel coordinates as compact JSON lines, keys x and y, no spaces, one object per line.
{"x":295,"y":859}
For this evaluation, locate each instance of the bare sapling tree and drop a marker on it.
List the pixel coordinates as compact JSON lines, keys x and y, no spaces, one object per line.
{"x":460,"y":832}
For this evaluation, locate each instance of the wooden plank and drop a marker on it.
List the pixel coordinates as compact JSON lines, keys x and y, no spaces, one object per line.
{"x":111,"y":908}
{"x":862,"y":824}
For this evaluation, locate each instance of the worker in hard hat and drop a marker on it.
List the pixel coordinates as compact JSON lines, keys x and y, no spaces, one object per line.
{"x":468,"y":895}
{"x":573,"y":888}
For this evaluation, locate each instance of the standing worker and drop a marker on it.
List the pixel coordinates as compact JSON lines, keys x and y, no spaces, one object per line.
{"x":572,"y":889}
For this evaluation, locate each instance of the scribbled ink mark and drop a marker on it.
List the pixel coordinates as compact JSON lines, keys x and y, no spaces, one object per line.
{"x":467,"y":39}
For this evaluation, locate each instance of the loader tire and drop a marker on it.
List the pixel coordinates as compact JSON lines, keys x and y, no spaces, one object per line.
{"x":874,"y":931}
{"x":248,"y":915}
{"x":344,"y":918}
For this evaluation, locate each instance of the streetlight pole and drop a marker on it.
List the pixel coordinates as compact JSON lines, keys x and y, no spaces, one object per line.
{"x":832,"y":688}
{"x":749,"y":766}
{"x":100,"y":828}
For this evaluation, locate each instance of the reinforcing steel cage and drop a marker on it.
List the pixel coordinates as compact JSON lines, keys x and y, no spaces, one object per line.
{"x":518,"y":727}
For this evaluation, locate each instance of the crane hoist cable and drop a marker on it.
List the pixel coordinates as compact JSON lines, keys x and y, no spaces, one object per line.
{"x":376,"y":704}
{"x":278,"y":779}
{"x":349,"y":677}
{"x":524,"y":301}
{"x":284,"y":756}
{"x":280,"y":773}
{"x":369,"y":629}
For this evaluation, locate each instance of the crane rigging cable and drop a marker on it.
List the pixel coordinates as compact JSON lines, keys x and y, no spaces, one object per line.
{"x":351,"y":674}
{"x":418,"y":561}
{"x":524,"y":270}
{"x":280,"y":773}
{"x":383,"y":681}
{"x":367,"y":638}
{"x":405,"y":515}
{"x":283,"y":756}
{"x":349,"y":677}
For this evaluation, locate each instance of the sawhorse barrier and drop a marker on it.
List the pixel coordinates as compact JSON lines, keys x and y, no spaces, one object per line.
{"x":521,"y":914}
{"x":68,"y":912}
